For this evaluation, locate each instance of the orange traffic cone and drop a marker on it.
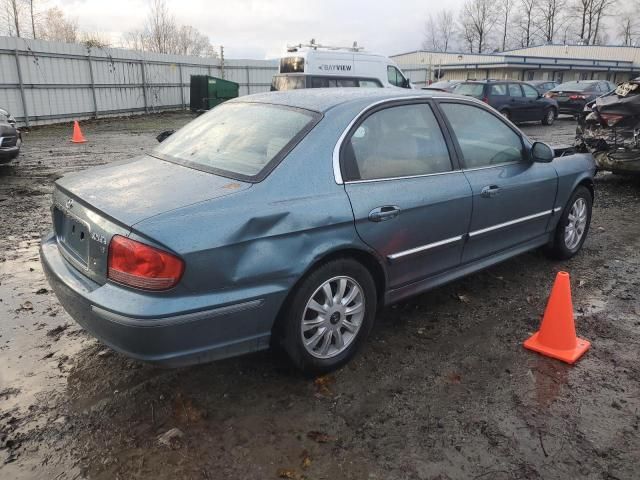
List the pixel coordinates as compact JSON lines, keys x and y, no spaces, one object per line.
{"x":557,"y":335}
{"x":77,"y":133}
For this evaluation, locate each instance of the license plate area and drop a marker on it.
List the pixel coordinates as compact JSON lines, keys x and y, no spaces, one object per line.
{"x":73,"y":236}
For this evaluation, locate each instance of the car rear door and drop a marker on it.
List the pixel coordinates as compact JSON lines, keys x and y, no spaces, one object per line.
{"x":410,"y":200}
{"x":513,"y":197}
{"x":517,"y":103}
{"x":534,"y":104}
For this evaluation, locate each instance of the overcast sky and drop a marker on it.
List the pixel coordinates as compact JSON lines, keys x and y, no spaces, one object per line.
{"x":262,"y":29}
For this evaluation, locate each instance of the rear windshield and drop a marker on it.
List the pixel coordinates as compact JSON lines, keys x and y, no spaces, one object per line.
{"x":471,"y":89}
{"x":238,"y":140}
{"x":287,"y":82}
{"x":573,"y":86}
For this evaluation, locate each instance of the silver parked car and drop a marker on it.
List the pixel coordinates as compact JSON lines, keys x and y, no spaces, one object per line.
{"x":291,"y":217}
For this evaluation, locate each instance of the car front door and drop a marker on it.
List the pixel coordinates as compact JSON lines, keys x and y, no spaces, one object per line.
{"x":411,"y":202}
{"x":513,"y":197}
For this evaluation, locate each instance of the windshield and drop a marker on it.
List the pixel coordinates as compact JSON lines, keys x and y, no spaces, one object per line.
{"x":238,"y":140}
{"x":471,"y":89}
{"x":573,"y":86}
{"x":287,"y":82}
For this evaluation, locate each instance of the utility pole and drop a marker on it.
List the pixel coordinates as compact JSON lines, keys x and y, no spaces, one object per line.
{"x":221,"y":61}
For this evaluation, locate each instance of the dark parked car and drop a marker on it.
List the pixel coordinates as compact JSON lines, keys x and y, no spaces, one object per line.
{"x":573,"y":96}
{"x":290,"y":217}
{"x":10,"y":137}
{"x":543,"y":86}
{"x":443,"y":86}
{"x":517,"y":101}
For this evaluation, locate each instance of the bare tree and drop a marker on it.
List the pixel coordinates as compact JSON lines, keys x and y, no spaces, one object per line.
{"x":552,"y":15}
{"x":505,"y":8}
{"x":628,"y":28}
{"x":526,"y":25}
{"x":591,"y":14}
{"x":439,"y":31}
{"x":55,"y":26}
{"x":478,"y":19}
{"x":160,"y":29}
{"x":162,"y":34}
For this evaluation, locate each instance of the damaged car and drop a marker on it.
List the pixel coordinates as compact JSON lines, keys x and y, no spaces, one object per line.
{"x":290,"y":218}
{"x":10,"y":137}
{"x":609,"y":128}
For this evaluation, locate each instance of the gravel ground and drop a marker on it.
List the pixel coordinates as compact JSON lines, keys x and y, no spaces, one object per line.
{"x":443,"y":389}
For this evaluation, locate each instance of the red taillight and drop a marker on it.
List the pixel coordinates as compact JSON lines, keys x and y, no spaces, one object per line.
{"x":611,"y":119}
{"x":141,"y":266}
{"x":485,"y":99}
{"x":577,"y":97}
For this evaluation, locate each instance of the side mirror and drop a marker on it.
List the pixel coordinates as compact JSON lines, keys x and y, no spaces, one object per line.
{"x":164,"y":135}
{"x":541,"y":152}
{"x":406,"y":83}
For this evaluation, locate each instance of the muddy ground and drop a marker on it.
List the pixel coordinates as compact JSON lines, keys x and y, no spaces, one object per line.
{"x":443,"y":389}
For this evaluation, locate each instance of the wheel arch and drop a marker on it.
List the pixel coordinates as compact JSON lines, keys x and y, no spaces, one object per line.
{"x":367,"y":258}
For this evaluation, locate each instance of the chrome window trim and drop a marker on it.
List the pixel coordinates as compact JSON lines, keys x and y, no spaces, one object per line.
{"x":422,"y":248}
{"x":337,"y":174}
{"x":408,"y":177}
{"x":515,"y":162}
{"x":557,"y":209}
{"x":509,"y":223}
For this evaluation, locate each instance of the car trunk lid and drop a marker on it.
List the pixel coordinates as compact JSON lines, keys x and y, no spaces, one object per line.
{"x":90,"y":207}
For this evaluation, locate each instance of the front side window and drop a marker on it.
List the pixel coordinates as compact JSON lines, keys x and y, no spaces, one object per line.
{"x":395,"y":77}
{"x":530,"y":92}
{"x":239,"y":140}
{"x":484,"y":139}
{"x":514,"y":90}
{"x":398,"y":141}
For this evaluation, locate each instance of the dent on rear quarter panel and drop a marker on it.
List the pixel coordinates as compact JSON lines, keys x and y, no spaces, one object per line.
{"x":266,"y":237}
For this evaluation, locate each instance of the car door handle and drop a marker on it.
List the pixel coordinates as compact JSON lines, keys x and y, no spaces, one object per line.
{"x":490,"y":191}
{"x":382,"y":214}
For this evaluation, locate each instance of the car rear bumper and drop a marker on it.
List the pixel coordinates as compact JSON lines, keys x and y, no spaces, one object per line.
{"x":571,"y":108}
{"x":175,"y":338}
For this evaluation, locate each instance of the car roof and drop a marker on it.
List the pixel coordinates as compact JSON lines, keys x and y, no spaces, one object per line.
{"x":323,"y":99}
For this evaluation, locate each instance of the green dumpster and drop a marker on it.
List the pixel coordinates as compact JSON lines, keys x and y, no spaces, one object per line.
{"x":207,"y":92}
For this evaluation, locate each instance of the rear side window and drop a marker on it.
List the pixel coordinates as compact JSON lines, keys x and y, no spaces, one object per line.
{"x":514,"y":90}
{"x":484,"y":139}
{"x":327,"y":82}
{"x":238,"y":140}
{"x":498,"y":90}
{"x":395,"y":142}
{"x":369,"y":83}
{"x":287,"y":82}
{"x":471,"y":89}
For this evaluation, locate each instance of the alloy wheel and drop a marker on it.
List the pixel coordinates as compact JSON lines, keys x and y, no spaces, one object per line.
{"x":577,"y":222}
{"x":332,"y":317}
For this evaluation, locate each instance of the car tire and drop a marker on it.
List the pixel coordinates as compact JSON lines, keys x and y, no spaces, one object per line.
{"x":575,"y":217}
{"x":320,"y":333}
{"x":506,"y":114}
{"x":549,"y":117}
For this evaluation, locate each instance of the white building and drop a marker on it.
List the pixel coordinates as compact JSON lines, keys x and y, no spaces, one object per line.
{"x":545,"y":62}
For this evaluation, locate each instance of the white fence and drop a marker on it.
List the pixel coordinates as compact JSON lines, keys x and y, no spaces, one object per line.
{"x":47,"y":82}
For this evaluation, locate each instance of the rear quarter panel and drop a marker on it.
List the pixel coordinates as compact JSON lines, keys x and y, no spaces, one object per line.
{"x":265,"y":238}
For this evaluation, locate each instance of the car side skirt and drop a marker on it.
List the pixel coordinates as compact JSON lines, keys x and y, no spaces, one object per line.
{"x":395,"y":295}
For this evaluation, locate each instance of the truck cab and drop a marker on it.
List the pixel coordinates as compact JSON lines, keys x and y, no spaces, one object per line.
{"x":317,"y":66}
